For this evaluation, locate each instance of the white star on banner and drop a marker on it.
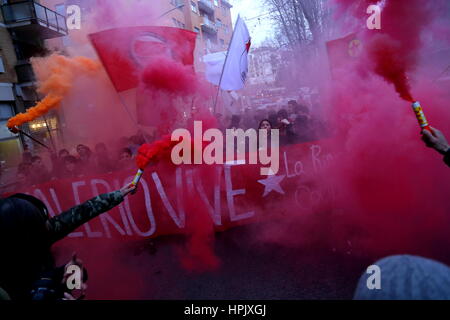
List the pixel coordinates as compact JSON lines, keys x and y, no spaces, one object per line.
{"x":272,"y":183}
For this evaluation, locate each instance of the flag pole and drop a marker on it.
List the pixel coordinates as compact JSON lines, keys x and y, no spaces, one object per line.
{"x":224,"y":64}
{"x":124,"y":104}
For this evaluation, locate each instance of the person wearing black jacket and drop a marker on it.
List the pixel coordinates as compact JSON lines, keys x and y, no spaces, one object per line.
{"x":438,"y":142}
{"x":27,"y":269}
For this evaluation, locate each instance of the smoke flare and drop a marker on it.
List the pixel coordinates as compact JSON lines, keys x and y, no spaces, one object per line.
{"x":56,"y":75}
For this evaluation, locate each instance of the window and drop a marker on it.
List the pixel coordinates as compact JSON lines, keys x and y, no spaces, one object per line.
{"x":222,"y":42}
{"x":216,"y":3}
{"x":194,"y":7}
{"x":219,"y":23}
{"x":2,"y":66}
{"x":6,"y":112}
{"x":61,"y":9}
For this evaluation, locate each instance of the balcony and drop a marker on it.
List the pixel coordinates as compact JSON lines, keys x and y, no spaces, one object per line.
{"x":30,"y":20}
{"x":227,"y":4}
{"x":25,"y":72}
{"x":206,"y":6}
{"x":208,"y":26}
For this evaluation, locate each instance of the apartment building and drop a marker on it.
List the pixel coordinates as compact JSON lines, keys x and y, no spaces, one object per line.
{"x":35,"y":27}
{"x":211,"y":19}
{"x":24,"y":27}
{"x":264,"y":63}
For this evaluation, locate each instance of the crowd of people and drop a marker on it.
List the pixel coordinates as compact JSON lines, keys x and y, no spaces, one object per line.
{"x":33,"y":169}
{"x":294,"y":122}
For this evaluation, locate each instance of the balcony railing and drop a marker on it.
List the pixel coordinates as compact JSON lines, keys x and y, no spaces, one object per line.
{"x":25,"y":72}
{"x":208,"y":26}
{"x":227,"y":3}
{"x":206,"y":6}
{"x":29,"y":16}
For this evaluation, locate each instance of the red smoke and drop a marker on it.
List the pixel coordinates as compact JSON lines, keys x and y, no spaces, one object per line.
{"x":165,"y":74}
{"x":393,"y":50}
{"x":392,"y":189}
{"x":153,"y":152}
{"x":389,"y":63}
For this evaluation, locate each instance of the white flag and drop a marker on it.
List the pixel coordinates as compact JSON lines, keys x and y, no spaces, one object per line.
{"x":214,"y":66}
{"x":236,"y":62}
{"x":236,"y":65}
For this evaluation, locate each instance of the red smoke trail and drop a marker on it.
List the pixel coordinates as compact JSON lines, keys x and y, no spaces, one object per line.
{"x":151,"y":153}
{"x":166,"y":92}
{"x":392,"y":189}
{"x":392,"y":51}
{"x":165,"y":74}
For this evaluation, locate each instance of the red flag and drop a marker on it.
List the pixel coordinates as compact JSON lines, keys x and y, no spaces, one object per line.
{"x":343,"y":51}
{"x":124,"y":52}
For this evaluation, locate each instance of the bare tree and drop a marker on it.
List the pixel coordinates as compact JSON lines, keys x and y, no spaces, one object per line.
{"x":300,"y":23}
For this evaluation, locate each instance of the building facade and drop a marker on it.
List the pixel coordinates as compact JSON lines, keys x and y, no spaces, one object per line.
{"x":264,"y":63}
{"x":210,"y":19}
{"x":24,"y":27}
{"x":36,"y":27}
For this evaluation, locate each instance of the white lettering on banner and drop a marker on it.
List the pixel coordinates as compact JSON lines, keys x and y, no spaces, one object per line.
{"x":105,"y":218}
{"x":179,"y":219}
{"x":148,"y":206}
{"x":315,"y":152}
{"x":56,"y":201}
{"x":87,"y":227}
{"x":194,"y":183}
{"x":230,"y":197}
{"x":299,"y":168}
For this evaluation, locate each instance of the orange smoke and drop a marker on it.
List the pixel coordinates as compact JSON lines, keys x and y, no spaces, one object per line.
{"x":55,"y":75}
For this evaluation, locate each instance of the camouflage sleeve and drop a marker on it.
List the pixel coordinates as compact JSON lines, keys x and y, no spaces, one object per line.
{"x":63,"y":224}
{"x":447,"y":157}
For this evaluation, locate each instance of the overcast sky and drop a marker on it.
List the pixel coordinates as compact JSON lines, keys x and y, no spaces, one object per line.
{"x":260,"y":29}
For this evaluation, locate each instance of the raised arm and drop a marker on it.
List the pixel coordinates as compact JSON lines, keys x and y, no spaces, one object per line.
{"x":63,"y":224}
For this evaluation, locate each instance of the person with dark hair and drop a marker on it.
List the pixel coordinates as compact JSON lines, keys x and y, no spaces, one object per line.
{"x":287,"y":134}
{"x":438,"y":142}
{"x":85,"y":159}
{"x":265,"y":124}
{"x":39,"y":173}
{"x":235,"y":122}
{"x":125,"y":161}
{"x":273,"y":118}
{"x":135,"y":142}
{"x":58,"y":162}
{"x":63,"y":153}
{"x":70,"y":168}
{"x":27,"y":270}
{"x":26,"y":155}
{"x":104,"y":164}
